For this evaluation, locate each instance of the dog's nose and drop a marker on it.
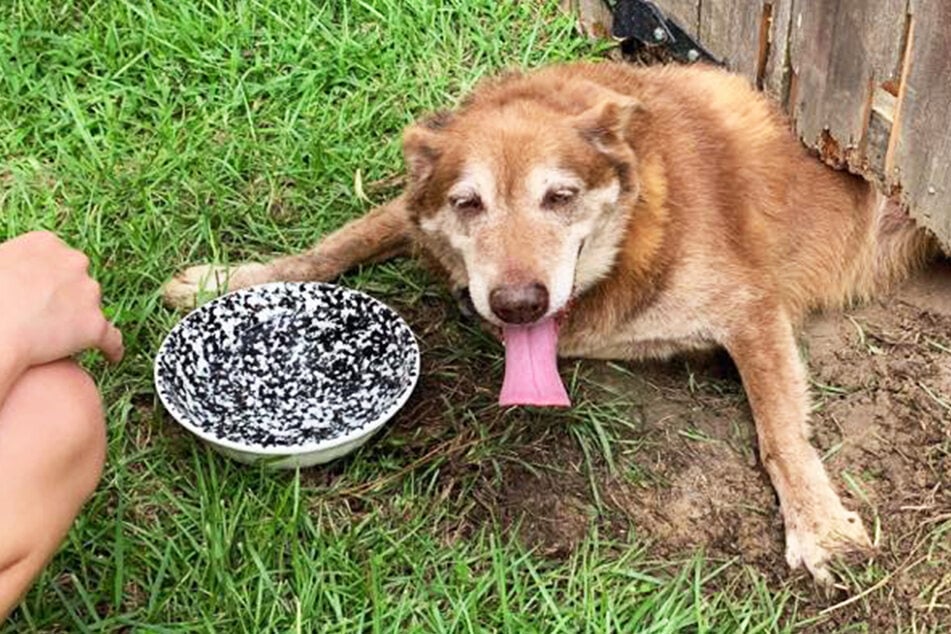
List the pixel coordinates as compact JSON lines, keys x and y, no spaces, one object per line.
{"x":519,"y":304}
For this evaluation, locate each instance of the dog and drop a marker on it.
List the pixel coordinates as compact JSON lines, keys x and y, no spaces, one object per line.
{"x":650,"y":211}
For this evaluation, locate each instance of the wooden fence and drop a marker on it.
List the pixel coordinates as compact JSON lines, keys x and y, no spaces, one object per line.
{"x":867,"y":83}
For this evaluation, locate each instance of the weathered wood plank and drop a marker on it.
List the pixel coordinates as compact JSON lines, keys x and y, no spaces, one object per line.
{"x":594,"y":16}
{"x":878,"y":135}
{"x":733,"y":30}
{"x":751,"y":37}
{"x":686,"y":13}
{"x":775,"y":79}
{"x":842,"y":52}
{"x":923,"y":151}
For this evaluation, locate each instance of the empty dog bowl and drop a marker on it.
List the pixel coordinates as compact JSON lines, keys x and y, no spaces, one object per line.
{"x":293,"y":373}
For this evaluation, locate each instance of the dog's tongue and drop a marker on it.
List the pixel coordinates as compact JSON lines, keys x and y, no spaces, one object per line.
{"x":531,"y":369}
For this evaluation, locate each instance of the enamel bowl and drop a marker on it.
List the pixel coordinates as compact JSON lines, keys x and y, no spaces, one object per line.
{"x":294,"y":374}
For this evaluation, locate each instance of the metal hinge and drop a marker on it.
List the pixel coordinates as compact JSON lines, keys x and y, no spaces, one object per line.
{"x":640,"y":24}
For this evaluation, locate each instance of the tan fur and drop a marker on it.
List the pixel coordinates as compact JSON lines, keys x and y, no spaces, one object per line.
{"x":700,"y":221}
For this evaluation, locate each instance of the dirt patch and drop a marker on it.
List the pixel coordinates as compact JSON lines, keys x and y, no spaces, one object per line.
{"x":551,"y":511}
{"x":885,"y":419}
{"x":683,"y":473}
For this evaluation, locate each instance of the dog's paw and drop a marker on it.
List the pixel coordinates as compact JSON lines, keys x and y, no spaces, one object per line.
{"x":198,"y":283}
{"x":815,"y":537}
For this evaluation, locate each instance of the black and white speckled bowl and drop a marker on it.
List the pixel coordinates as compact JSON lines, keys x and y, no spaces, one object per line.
{"x":293,"y":373}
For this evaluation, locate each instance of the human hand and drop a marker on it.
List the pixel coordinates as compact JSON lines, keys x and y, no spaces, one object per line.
{"x":49,"y":306}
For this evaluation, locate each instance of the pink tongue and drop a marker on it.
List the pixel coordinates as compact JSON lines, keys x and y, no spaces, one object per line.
{"x":531,"y":370}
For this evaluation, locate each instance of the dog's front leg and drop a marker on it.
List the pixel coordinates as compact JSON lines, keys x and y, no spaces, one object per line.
{"x":774,"y":375}
{"x":382,"y":233}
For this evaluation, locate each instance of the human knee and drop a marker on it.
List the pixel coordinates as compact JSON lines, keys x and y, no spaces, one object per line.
{"x":73,"y":419}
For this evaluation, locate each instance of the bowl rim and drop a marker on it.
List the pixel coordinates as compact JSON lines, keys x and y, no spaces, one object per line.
{"x":288,"y":450}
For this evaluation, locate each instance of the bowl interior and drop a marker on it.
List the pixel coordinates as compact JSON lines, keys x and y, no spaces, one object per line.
{"x":287,"y":367}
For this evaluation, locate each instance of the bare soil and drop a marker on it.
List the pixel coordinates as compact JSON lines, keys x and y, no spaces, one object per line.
{"x":684,"y":476}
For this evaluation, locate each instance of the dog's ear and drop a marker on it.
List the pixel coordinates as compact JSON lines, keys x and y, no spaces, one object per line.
{"x":420,"y":150}
{"x":421,"y":143}
{"x":606,"y":124}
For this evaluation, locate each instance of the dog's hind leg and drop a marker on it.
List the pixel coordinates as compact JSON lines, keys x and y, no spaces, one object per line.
{"x":817,"y":525}
{"x":382,"y":233}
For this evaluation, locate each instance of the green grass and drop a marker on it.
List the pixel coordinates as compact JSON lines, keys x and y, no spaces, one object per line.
{"x":154,"y":134}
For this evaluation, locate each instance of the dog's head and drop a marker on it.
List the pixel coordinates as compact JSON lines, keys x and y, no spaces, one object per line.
{"x":521,"y":192}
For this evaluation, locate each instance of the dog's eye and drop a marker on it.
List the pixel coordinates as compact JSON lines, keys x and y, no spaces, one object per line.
{"x":555,"y":198}
{"x":468,"y":204}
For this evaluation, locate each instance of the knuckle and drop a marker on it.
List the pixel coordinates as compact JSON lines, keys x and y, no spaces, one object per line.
{"x":81,"y":259}
{"x":95,"y":289}
{"x":98,"y":330}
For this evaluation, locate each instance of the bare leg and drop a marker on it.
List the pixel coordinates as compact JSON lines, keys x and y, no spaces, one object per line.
{"x":817,"y":525}
{"x":52,"y":449}
{"x":382,"y":233}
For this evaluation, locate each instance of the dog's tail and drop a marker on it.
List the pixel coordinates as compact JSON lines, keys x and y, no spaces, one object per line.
{"x":382,"y":233}
{"x":902,"y":246}
{"x":893,"y":249}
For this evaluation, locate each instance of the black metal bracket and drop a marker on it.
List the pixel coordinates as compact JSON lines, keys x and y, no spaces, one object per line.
{"x":641,"y":24}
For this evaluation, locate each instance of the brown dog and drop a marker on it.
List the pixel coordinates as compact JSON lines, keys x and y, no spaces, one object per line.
{"x":671,"y":208}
